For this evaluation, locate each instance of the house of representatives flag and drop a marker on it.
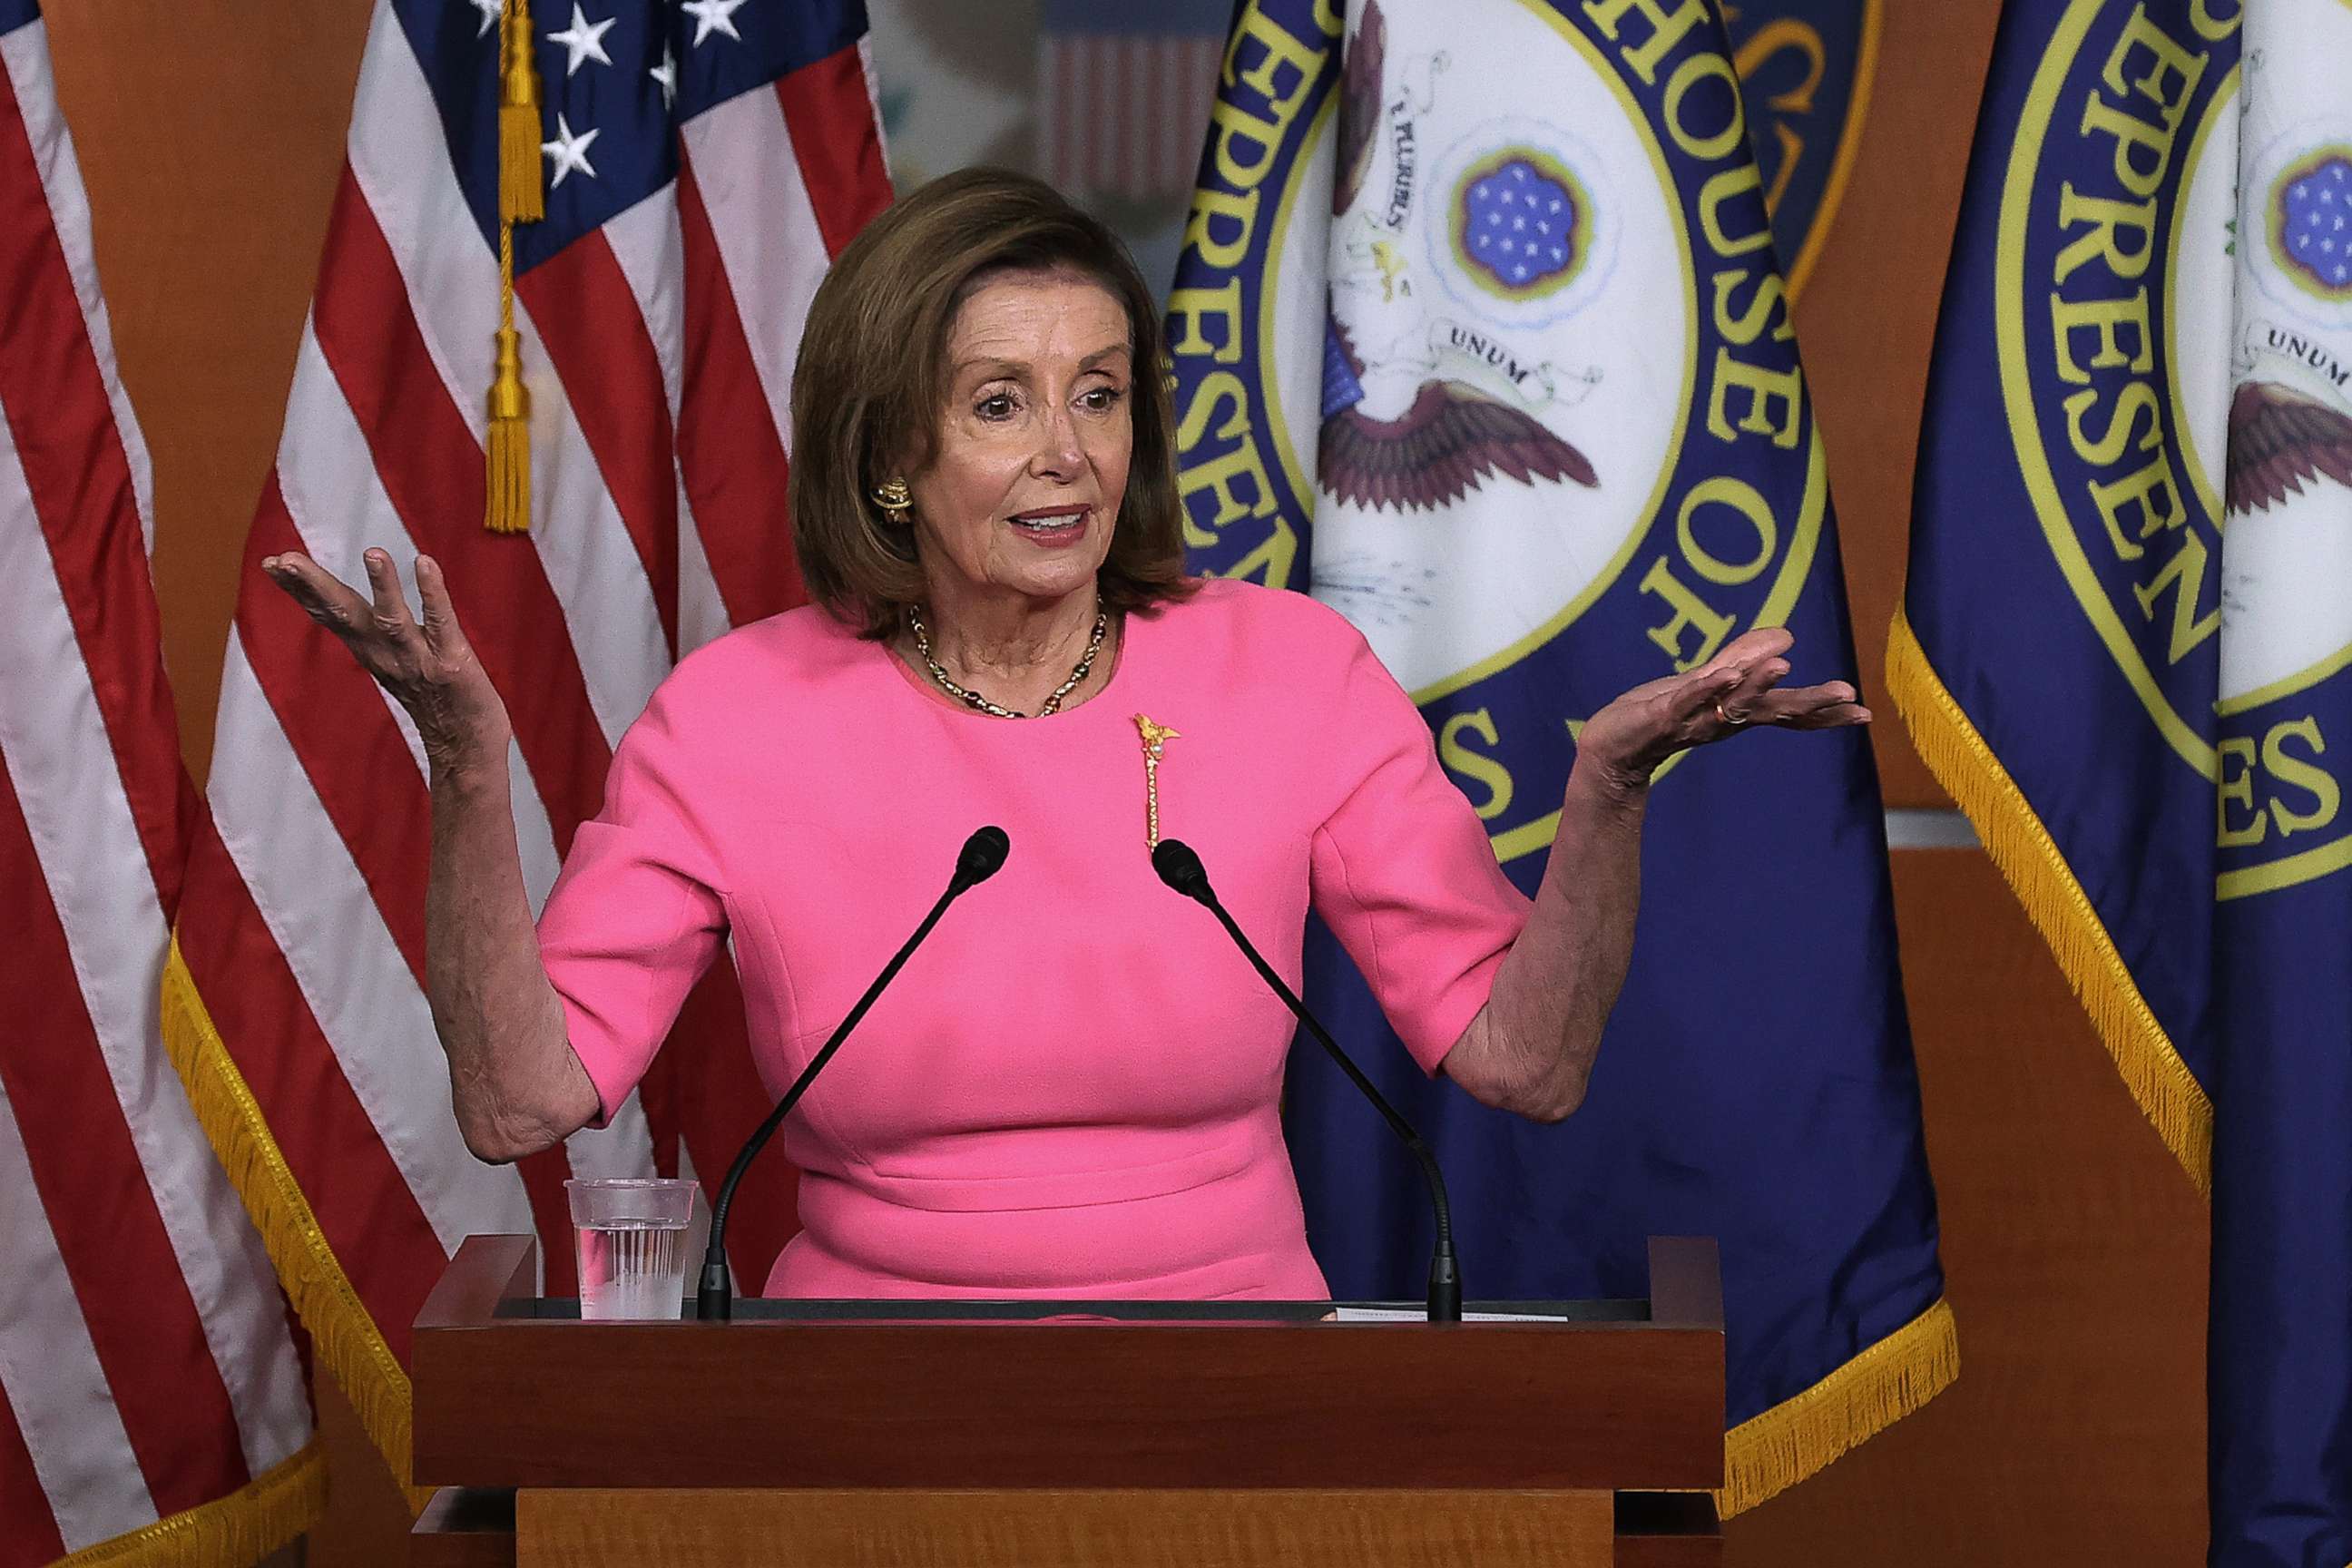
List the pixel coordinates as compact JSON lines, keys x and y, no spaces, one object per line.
{"x":152,"y":1402}
{"x":2126,"y":640}
{"x":1805,"y":68}
{"x":701,"y":163}
{"x":1478,"y":337}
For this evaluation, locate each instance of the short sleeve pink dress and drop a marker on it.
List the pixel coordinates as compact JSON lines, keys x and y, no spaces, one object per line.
{"x":1072,"y":1089}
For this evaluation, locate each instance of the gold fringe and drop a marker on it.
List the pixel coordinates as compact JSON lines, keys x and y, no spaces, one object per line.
{"x":521,"y":199}
{"x":233,"y":1531}
{"x":2037,"y":871}
{"x":346,"y":1339}
{"x":1767,"y":1453}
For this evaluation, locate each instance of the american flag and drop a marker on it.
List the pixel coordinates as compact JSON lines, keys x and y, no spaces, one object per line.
{"x":703,"y":162}
{"x":150,"y":1395}
{"x":1124,"y":90}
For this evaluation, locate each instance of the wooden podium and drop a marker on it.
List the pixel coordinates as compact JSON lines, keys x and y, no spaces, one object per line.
{"x":1056,"y":1435}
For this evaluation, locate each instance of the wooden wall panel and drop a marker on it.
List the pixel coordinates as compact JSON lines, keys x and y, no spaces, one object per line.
{"x":211,"y":136}
{"x":367,"y":1521}
{"x":1868,"y":316}
{"x":2075,"y":1251}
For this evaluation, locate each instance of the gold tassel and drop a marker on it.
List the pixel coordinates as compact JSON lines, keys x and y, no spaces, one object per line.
{"x":509,"y":448}
{"x":521,"y":199}
{"x":507,"y":508}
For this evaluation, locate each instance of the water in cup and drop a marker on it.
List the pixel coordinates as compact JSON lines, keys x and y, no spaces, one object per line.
{"x":630,"y":1270}
{"x":629,"y":1236}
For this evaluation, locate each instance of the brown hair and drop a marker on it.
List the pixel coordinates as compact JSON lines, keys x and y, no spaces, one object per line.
{"x":873,"y":377}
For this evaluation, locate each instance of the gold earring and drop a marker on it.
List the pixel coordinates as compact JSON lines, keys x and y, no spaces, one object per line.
{"x":894,"y":498}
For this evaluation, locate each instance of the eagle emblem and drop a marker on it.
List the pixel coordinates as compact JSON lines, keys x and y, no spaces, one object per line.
{"x":1396,"y":432}
{"x":2280,"y":440}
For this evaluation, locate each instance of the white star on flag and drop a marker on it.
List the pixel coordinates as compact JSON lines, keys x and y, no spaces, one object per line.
{"x":584,"y":39}
{"x":491,"y":10}
{"x":569,"y":152}
{"x":666,"y":73}
{"x":713,"y":17}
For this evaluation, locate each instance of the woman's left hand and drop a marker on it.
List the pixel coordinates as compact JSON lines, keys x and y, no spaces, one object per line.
{"x":1739,"y":689}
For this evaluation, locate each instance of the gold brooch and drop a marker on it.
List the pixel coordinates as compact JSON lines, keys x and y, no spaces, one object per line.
{"x":1155,"y":738}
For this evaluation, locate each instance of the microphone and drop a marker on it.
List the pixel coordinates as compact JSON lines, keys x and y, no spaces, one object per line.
{"x":1182,"y":869}
{"x":714,"y":1299}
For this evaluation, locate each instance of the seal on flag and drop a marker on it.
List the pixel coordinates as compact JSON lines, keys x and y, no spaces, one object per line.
{"x":1495,"y":309}
{"x":1397,"y":431}
{"x":2180,"y":395}
{"x":1478,"y":335}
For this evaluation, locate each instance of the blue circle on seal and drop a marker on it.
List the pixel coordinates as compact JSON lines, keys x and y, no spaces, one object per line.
{"x":2310,"y":207}
{"x":1521,"y":223}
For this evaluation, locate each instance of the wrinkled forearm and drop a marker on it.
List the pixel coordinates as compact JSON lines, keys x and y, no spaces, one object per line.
{"x":1530,"y":1050}
{"x":515,"y":1084}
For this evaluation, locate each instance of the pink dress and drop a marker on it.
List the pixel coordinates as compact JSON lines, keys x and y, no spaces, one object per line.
{"x":1072,"y":1089}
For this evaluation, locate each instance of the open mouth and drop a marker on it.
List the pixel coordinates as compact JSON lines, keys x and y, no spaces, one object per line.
{"x":1052,"y":522}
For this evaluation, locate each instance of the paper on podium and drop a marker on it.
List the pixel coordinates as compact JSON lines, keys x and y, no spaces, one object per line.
{"x":1416,"y":1315}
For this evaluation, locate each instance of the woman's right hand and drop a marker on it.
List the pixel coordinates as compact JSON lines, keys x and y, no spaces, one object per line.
{"x":429,"y":668}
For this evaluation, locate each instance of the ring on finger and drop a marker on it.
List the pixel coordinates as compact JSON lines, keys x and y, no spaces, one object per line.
{"x":1729,"y":721}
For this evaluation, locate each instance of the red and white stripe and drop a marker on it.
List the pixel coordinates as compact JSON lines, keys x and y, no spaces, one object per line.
{"x":1124,"y":115}
{"x":658,"y":351}
{"x":146,"y":1365}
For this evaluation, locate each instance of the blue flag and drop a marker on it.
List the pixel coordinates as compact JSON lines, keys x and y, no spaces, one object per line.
{"x":1477,"y":335}
{"x":1805,"y":69}
{"x":2127,"y":640}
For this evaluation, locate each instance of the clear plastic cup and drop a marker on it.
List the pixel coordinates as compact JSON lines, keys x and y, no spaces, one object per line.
{"x":629,"y":1236}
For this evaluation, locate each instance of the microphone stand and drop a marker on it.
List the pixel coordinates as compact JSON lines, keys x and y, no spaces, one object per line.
{"x":714,"y":1298}
{"x":1180,"y":868}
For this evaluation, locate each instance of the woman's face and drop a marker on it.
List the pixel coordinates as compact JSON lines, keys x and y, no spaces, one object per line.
{"x":1034,"y":442}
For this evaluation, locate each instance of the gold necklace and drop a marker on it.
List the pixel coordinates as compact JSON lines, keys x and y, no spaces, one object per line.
{"x":974,"y":700}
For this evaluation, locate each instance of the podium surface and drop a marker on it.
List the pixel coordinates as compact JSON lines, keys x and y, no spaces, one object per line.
{"x":1068,"y":1433}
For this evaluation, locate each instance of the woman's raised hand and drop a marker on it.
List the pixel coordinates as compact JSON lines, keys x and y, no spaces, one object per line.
{"x":1739,"y":688}
{"x":428,"y":667}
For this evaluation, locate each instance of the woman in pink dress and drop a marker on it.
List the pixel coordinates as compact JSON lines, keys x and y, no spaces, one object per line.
{"x":1073,"y":1088}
